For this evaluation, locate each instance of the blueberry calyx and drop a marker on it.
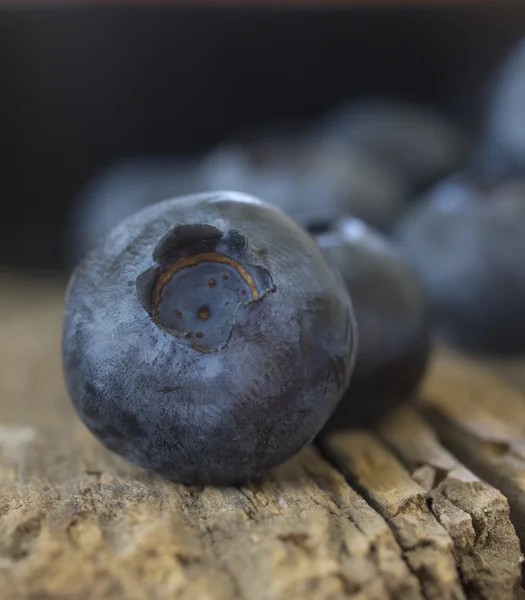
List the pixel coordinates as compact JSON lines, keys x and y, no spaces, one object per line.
{"x":200,"y":279}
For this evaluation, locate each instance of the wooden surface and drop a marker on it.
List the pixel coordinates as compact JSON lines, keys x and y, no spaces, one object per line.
{"x":405,"y":512}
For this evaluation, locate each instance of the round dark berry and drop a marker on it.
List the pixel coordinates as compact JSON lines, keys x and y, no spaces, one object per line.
{"x":313,"y":181}
{"x":392,"y":322}
{"x":467,"y":243}
{"x":207,"y":339}
{"x":418,"y":144}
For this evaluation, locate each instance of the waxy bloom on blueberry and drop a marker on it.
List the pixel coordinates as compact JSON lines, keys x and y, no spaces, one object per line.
{"x":207,"y":339}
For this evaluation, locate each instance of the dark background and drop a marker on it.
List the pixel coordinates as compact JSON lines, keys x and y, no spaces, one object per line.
{"x":82,"y":86}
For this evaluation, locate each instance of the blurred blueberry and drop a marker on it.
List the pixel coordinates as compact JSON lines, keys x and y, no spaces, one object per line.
{"x":207,"y":339}
{"x":392,"y":321}
{"x":506,"y":127}
{"x":466,"y":241}
{"x":417,"y":143}
{"x":314,"y":182}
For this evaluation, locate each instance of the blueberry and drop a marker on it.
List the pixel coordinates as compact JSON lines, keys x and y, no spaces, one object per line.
{"x":506,"y":127}
{"x":466,"y":241}
{"x":312,"y":181}
{"x":206,"y":338}
{"x":392,"y":322}
{"x":419,"y":144}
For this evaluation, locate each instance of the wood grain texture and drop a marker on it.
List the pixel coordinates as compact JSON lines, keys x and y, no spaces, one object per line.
{"x":475,"y":515}
{"x":78,"y":523}
{"x":428,"y":549}
{"x":482,"y":421}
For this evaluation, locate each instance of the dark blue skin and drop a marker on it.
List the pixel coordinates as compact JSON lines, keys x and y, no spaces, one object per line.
{"x":260,"y":381}
{"x":466,"y":241}
{"x":392,"y":320}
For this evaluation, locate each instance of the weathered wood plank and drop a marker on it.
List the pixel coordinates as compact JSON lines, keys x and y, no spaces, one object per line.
{"x":428,"y":548}
{"x":474,"y":513}
{"x":482,"y":421}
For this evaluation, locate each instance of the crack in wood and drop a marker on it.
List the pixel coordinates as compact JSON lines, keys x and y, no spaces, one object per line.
{"x":475,"y":514}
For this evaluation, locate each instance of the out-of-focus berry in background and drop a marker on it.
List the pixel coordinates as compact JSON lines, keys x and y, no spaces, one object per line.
{"x":410,"y":117}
